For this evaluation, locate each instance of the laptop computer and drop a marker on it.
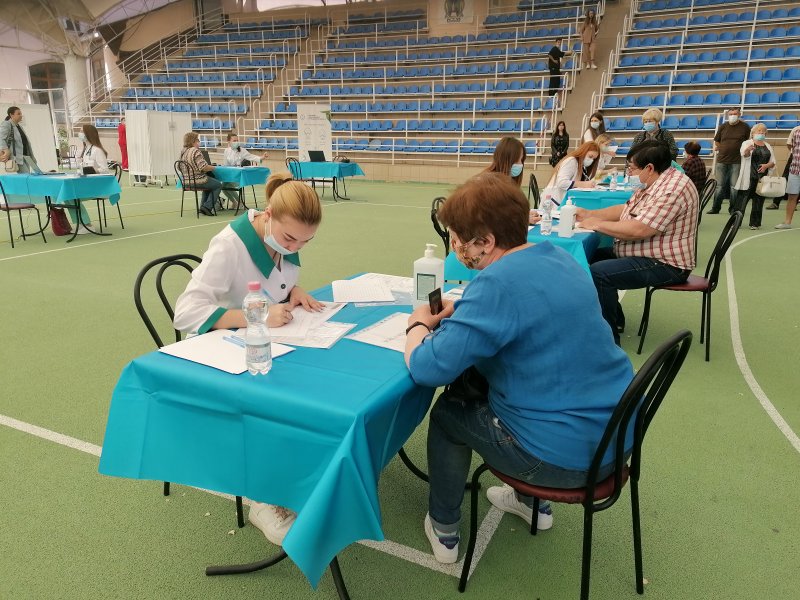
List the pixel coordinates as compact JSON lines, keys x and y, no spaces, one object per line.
{"x":34,"y":168}
{"x":316,"y":156}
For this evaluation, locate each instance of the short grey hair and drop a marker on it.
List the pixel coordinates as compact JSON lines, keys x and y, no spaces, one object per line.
{"x":735,"y":109}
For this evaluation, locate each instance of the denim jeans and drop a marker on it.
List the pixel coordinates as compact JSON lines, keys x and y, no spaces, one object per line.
{"x":726,"y":176}
{"x":210,"y":192}
{"x":456,"y":428}
{"x":611,"y":274}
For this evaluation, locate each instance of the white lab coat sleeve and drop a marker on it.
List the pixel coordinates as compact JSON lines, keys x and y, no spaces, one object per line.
{"x":206,"y":297}
{"x":251,"y":157}
{"x":231,"y":157}
{"x":99,"y":160}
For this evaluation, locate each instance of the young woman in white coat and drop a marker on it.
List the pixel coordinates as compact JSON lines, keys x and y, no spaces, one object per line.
{"x":758,"y":160}
{"x":257,"y":246}
{"x":94,"y":157}
{"x":576,"y":170}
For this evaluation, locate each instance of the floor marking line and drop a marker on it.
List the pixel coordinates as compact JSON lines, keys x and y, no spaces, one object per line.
{"x":741,"y":358}
{"x":412,"y":555}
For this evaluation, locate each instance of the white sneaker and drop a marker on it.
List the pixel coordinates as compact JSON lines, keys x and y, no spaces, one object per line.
{"x":83,"y":229}
{"x":504,"y":498}
{"x":273,"y":521}
{"x":445,"y":549}
{"x":783,"y":226}
{"x":594,"y":66}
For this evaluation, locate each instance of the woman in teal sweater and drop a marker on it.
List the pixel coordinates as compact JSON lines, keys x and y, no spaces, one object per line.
{"x":530,"y":324}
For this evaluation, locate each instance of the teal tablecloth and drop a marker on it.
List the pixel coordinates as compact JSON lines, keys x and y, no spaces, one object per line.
{"x":594,"y":199}
{"x":61,"y":189}
{"x":581,"y":246}
{"x":241,"y":176}
{"x":312,"y":435}
{"x":329,"y":170}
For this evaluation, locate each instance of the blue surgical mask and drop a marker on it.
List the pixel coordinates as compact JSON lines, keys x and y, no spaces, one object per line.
{"x":648,"y":127}
{"x":636,"y":183}
{"x":236,"y":146}
{"x":516,"y":169}
{"x":759,"y":137}
{"x":270,"y":241}
{"x":595,"y":124}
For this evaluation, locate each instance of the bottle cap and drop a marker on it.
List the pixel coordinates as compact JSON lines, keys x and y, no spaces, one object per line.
{"x":253,"y":286}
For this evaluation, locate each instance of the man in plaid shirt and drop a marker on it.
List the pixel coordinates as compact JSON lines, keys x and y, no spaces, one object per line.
{"x":654,"y":232}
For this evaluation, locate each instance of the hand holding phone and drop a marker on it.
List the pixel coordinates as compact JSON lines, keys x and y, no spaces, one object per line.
{"x":435,"y":301}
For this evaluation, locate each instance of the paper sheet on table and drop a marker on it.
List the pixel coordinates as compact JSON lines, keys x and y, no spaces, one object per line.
{"x":454,"y":294}
{"x":361,"y":290}
{"x":322,"y":336}
{"x":389,"y":333}
{"x":395,"y":283}
{"x":212,"y":350}
{"x":303,"y":321}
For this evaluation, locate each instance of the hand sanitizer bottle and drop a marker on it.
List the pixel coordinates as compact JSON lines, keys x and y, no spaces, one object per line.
{"x":428,"y":275}
{"x":566,"y":221}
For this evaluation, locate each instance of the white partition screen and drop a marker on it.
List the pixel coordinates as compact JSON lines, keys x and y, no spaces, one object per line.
{"x":38,"y":126}
{"x":314,"y":130}
{"x":155,"y":139}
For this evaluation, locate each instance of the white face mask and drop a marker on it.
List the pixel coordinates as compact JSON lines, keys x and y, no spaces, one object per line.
{"x":733,"y":119}
{"x":636,"y":183}
{"x":270,"y":241}
{"x":587,"y":162}
{"x":595,"y":124}
{"x":236,"y":146}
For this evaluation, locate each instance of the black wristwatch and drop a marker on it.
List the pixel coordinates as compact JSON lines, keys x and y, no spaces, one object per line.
{"x":414,"y":324}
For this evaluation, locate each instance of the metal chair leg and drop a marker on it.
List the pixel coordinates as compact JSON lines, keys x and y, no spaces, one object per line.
{"x":166,"y":488}
{"x":41,"y":229}
{"x":703,"y":319}
{"x":586,"y":559}
{"x":10,"y":231}
{"x":182,"y":193}
{"x":338,"y":580}
{"x":473,"y":526}
{"x":708,"y":328}
{"x":239,"y":512}
{"x":21,"y":225}
{"x":637,"y":536}
{"x":645,"y":318}
{"x":535,"y":516}
{"x":411,"y":466}
{"x":119,"y":212}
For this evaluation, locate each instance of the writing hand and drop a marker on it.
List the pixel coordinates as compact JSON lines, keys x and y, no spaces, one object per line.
{"x":279,"y":315}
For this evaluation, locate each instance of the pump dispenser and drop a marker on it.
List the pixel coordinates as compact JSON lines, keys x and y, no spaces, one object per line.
{"x":428,"y":275}
{"x":566,"y":221}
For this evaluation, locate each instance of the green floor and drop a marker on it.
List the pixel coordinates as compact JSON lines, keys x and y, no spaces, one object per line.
{"x":720,"y":485}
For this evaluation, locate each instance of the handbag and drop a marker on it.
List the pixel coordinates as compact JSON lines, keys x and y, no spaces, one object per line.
{"x":771,"y":187}
{"x":13,"y":168}
{"x":469,"y":387}
{"x":59,"y":222}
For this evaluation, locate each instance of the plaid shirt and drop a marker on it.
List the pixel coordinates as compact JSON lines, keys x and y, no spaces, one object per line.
{"x":671,"y":207}
{"x":794,"y":142}
{"x":695,"y":169}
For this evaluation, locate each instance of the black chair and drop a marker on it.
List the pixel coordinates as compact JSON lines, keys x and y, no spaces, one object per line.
{"x":161,"y":265}
{"x":102,"y":201}
{"x":342,"y":159}
{"x":639,"y":403}
{"x":7,"y":207}
{"x":705,"y":284}
{"x":441,"y":231}
{"x":296,"y":170}
{"x":533,"y":191}
{"x":706,"y":194}
{"x":187,"y":175}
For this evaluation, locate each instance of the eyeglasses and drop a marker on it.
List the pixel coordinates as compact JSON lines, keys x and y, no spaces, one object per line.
{"x":460,"y":249}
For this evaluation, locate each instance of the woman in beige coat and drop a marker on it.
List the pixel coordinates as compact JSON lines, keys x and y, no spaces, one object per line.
{"x":588,"y":32}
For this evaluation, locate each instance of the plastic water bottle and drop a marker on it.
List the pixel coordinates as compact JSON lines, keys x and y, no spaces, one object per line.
{"x":613,"y":182}
{"x":257,"y":339}
{"x":546,"y":224}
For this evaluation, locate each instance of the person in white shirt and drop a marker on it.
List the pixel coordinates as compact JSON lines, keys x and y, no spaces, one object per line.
{"x":235,"y":155}
{"x":576,"y":170}
{"x":93,"y":157}
{"x":256,"y":246}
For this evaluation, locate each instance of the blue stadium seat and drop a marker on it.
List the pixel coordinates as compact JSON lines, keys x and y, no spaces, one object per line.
{"x":790,"y":97}
{"x":689,"y":122}
{"x":467,"y":147}
{"x":791,"y":74}
{"x":634,"y":123}
{"x":717,"y":77}
{"x":735,"y":77}
{"x":643,"y":101}
{"x":671,"y":122}
{"x":617,"y":124}
{"x":611,"y":102}
{"x":716,"y":99}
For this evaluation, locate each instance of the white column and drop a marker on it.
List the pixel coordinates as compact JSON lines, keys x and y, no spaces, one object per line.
{"x":114,"y":77}
{"x":76,"y":70}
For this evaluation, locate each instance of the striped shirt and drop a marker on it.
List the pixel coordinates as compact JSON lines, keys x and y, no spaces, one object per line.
{"x":194,"y":157}
{"x":794,"y":142}
{"x":671,"y":207}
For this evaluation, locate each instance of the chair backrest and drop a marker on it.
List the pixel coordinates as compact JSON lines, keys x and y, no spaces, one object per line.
{"x":117,"y":169}
{"x":640,"y":401}
{"x":723,"y":244}
{"x":437,"y":226}
{"x":161,"y":264}
{"x":186,"y":174}
{"x":533,"y":191}
{"x":705,"y":195}
{"x":294,"y":167}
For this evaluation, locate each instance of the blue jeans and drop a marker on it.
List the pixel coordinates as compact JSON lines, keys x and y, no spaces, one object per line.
{"x":611,"y":274}
{"x":210,"y":192}
{"x":456,"y":428}
{"x":726,"y":176}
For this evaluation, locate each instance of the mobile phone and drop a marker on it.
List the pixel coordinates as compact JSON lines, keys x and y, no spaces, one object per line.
{"x":435,"y":301}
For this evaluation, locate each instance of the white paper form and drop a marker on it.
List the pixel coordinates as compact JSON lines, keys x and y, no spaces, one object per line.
{"x":220,"y":349}
{"x":387,"y":333}
{"x":402,"y":288}
{"x":361,"y":290}
{"x":322,"y":336}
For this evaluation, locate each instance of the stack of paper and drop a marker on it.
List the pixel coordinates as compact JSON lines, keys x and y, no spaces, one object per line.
{"x":316,"y":331}
{"x":361,"y":290}
{"x":220,"y":349}
{"x":388,"y":333}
